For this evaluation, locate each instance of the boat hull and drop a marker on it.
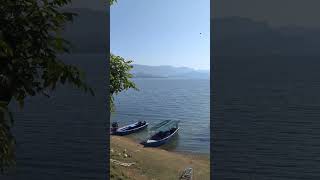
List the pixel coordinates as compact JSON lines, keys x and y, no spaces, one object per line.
{"x":160,"y":142}
{"x":127,"y":132}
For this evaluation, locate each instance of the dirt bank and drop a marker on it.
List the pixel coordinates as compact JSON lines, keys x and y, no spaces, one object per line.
{"x":152,"y":163}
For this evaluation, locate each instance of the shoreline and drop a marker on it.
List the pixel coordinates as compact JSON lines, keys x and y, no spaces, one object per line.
{"x":187,"y":153}
{"x":153,"y":163}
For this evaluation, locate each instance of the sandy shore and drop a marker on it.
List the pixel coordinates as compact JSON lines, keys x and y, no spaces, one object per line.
{"x":152,"y":163}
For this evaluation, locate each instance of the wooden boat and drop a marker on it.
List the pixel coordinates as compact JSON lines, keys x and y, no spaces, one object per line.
{"x":131,"y":128}
{"x":163,"y":134}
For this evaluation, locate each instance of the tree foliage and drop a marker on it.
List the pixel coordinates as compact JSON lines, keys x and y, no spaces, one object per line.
{"x":119,"y":77}
{"x":30,"y":43}
{"x":112,"y":2}
{"x":119,"y":74}
{"x":7,"y":141}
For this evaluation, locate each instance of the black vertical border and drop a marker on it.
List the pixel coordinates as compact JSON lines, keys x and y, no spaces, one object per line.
{"x":212,"y":67}
{"x":107,"y":88}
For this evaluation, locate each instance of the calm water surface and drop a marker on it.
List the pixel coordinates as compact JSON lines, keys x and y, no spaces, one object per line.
{"x":158,"y":99}
{"x":266,"y":114}
{"x":64,"y":137}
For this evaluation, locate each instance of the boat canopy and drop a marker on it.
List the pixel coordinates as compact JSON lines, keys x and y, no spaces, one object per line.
{"x":164,"y":126}
{"x":157,"y":126}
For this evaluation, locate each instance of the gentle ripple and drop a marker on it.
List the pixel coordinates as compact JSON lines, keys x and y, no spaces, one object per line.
{"x":187,"y":100}
{"x":266,"y":114}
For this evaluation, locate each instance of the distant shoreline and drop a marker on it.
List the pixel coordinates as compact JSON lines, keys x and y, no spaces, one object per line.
{"x":140,"y":77}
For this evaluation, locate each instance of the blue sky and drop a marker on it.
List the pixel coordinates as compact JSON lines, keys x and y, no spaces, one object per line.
{"x":162,"y":32}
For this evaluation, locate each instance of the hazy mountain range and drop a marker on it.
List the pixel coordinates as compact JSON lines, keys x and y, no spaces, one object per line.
{"x":144,"y":71}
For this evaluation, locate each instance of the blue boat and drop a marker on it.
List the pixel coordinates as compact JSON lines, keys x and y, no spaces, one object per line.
{"x":129,"y":129}
{"x":163,"y":133}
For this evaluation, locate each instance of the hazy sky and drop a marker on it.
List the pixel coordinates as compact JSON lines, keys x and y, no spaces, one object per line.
{"x":277,"y":12}
{"x":166,"y":32}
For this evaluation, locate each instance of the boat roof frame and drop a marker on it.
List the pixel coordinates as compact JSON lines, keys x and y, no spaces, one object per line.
{"x":164,"y":125}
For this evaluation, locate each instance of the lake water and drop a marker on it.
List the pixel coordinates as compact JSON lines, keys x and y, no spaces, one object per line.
{"x":64,"y":137}
{"x":266,"y":114}
{"x":159,"y":99}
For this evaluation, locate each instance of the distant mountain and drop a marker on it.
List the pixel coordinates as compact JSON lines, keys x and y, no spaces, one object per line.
{"x":144,"y":71}
{"x":196,"y":75}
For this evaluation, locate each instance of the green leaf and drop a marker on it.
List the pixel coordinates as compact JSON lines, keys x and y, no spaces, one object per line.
{"x":112,"y":2}
{"x":120,"y":77}
{"x":30,"y":43}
